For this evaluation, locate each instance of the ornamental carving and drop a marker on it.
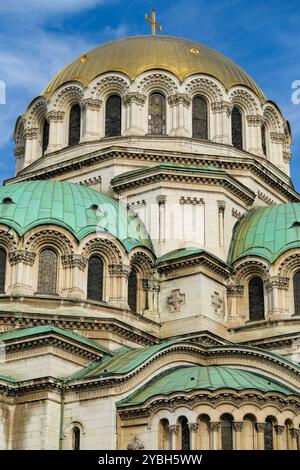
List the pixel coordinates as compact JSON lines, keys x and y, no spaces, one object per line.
{"x":136,"y":98}
{"x":175,"y":301}
{"x":157,"y":81}
{"x":69,"y":94}
{"x":287,"y":156}
{"x":238,"y":426}
{"x":91,"y":104}
{"x":21,"y":256}
{"x":236,"y":290}
{"x":237,"y":214}
{"x":244,"y":98}
{"x":206,"y":86}
{"x":112,"y":84}
{"x":221,"y":107}
{"x":8,"y":240}
{"x":179,"y":98}
{"x":49,"y":237}
{"x":55,"y":116}
{"x":255,"y":120}
{"x":279,"y":429}
{"x":74,"y":260}
{"x":119,"y":269}
{"x":265,"y":198}
{"x":193,"y":427}
{"x":218,"y":305}
{"x":279,"y":282}
{"x":271,"y":116}
{"x":191,"y":200}
{"x":260,"y":427}
{"x":104,"y":247}
{"x":214,"y":425}
{"x":150,"y":285}
{"x":173,"y":428}
{"x":31,"y":133}
{"x":277,"y":137}
{"x":135,"y":444}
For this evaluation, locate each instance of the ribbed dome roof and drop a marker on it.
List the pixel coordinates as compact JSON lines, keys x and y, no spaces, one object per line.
{"x":267,"y":232}
{"x":136,"y":54}
{"x":79,"y":209}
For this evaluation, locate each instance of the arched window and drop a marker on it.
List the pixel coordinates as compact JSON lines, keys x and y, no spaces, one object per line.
{"x":184,"y":433}
{"x":256,"y":299}
{"x":157,"y":114}
{"x":113,"y":111}
{"x":200,"y":124}
{"x":296,"y":286}
{"x":237,"y":128}
{"x":74,"y":125}
{"x":226,"y":432}
{"x":95,"y":278}
{"x":132,"y":291}
{"x":45,"y":135}
{"x":263,"y":139}
{"x":76,"y":438}
{"x":268,"y":434}
{"x":165,"y":438}
{"x":2,"y":270}
{"x":47,"y":277}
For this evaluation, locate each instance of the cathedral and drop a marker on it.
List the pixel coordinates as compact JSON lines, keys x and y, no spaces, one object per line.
{"x":150,"y":258}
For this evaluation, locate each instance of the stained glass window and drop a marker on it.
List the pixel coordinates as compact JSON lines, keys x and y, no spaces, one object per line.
{"x":200,"y":127}
{"x":95,"y":278}
{"x":113,"y":112}
{"x":256,"y":299}
{"x":132,"y":291}
{"x":157,"y":114}
{"x":226,"y":432}
{"x":296,"y":285}
{"x":185,"y":433}
{"x":237,"y":128}
{"x":263,"y":139}
{"x":74,"y":125}
{"x":2,"y":269}
{"x":47,"y":277}
{"x":45,"y":135}
{"x":76,"y":439}
{"x":268,"y":434}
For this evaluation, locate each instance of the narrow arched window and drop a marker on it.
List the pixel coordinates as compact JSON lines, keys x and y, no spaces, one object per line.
{"x":47,"y":277}
{"x":113,"y":112}
{"x":263,"y":139}
{"x":76,"y":438}
{"x":296,"y":286}
{"x":268,"y":434}
{"x":256,"y":299}
{"x":200,"y":123}
{"x":74,"y":125}
{"x":132,"y":291}
{"x":95,"y":278}
{"x":226,"y":432}
{"x":184,"y":433}
{"x":45,"y":135}
{"x":237,"y":128}
{"x":157,"y":114}
{"x":2,"y":270}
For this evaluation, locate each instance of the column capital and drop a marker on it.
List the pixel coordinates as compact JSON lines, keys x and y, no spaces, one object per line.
{"x":55,"y":116}
{"x":133,"y":97}
{"x":179,"y":98}
{"x":221,"y":206}
{"x":31,"y":133}
{"x":277,"y":137}
{"x":119,"y":270}
{"x":74,"y":260}
{"x":238,"y":426}
{"x":90,"y":103}
{"x":193,"y":427}
{"x":21,"y":256}
{"x":260,"y":427}
{"x":215,"y":425}
{"x":161,"y":199}
{"x":222,"y":107}
{"x":235,"y":290}
{"x":279,"y":282}
{"x":293,"y":433}
{"x":173,"y":428}
{"x":279,"y":429}
{"x":255,"y":120}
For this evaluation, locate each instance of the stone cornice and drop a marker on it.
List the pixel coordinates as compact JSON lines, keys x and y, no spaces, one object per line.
{"x":111,"y":153}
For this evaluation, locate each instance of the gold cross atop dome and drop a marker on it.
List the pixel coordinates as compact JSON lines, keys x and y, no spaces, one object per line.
{"x":151,"y":20}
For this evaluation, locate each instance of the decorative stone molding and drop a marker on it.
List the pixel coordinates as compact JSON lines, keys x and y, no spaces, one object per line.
{"x":8,"y":240}
{"x":235,"y":290}
{"x":218,"y":305}
{"x":132,"y":97}
{"x":175,"y":100}
{"x":294,"y":433}
{"x":151,"y":285}
{"x":104,"y":246}
{"x":191,"y":200}
{"x":173,"y":428}
{"x":91,"y":104}
{"x":222,"y":107}
{"x":215,"y":425}
{"x":193,"y":427}
{"x":265,"y":198}
{"x":287,"y":156}
{"x":204,"y":86}
{"x":19,"y":151}
{"x":272,"y":116}
{"x":74,"y":260}
{"x":277,"y":137}
{"x":31,"y":133}
{"x":55,"y":116}
{"x":260,"y":427}
{"x":238,"y":426}
{"x":221,"y":206}
{"x":161,"y":199}
{"x":237,"y":214}
{"x":279,"y":429}
{"x":21,"y":256}
{"x":244,"y":98}
{"x":255,"y":120}
{"x":175,"y":301}
{"x":69,"y":94}
{"x":143,"y":263}
{"x":119,"y":270}
{"x":91,"y":181}
{"x":279,"y":282}
{"x":289,"y":264}
{"x":135,"y":444}
{"x":110,"y":83}
{"x":137,"y":205}
{"x":51,"y":237}
{"x":157,"y":81}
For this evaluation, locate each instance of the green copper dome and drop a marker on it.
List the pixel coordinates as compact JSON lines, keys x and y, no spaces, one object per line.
{"x":187,"y":379}
{"x":267,"y":232}
{"x":78,"y":209}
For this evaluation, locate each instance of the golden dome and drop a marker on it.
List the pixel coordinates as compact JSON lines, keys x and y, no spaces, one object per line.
{"x":136,"y":54}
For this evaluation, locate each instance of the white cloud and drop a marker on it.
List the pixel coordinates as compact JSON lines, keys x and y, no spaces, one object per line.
{"x":48,"y":6}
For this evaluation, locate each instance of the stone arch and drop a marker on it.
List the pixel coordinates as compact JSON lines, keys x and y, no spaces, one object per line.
{"x":19,"y":138}
{"x":40,"y":237}
{"x":8,"y":239}
{"x":245,"y":100}
{"x":106,"y":85}
{"x":142,"y":261}
{"x":205,"y":86}
{"x":104,"y":247}
{"x":160,"y":82}
{"x":251,"y":268}
{"x":289,"y":263}
{"x":36,"y":112}
{"x":272,"y":117}
{"x":68,"y":94}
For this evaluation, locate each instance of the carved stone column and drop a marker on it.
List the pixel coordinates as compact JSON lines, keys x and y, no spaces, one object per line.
{"x":254,"y":143}
{"x":161,"y":201}
{"x":74,"y":266}
{"x":279,"y":431}
{"x":21,"y":279}
{"x":221,"y":213}
{"x":119,"y":274}
{"x":260,"y":429}
{"x":151,"y":289}
{"x":193,"y":427}
{"x":56,"y":130}
{"x":234,"y":295}
{"x":294,"y":437}
{"x":179,"y":104}
{"x":19,"y":153}
{"x":93,"y":128}
{"x":276,"y":149}
{"x":276,"y":287}
{"x":134,"y":103}
{"x":222,"y":112}
{"x":31,"y":145}
{"x":238,"y":426}
{"x":174,"y":435}
{"x":215,"y":427}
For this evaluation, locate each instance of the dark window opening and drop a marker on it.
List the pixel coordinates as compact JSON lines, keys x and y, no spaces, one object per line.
{"x":113,"y":113}
{"x":200,"y":124}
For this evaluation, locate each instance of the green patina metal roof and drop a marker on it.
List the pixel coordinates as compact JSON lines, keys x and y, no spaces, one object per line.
{"x":186,"y":379}
{"x":5,"y":378}
{"x":267,"y":232}
{"x":185,"y":252}
{"x":72,"y":206}
{"x":39,"y":330}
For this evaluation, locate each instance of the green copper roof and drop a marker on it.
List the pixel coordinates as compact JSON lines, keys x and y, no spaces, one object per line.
{"x":39,"y":330}
{"x":185,"y":252}
{"x":5,"y":378}
{"x":186,"y":379}
{"x":79,"y":209}
{"x":267,"y":232}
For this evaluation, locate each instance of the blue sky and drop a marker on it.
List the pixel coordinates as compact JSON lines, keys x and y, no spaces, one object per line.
{"x":38,"y":37}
